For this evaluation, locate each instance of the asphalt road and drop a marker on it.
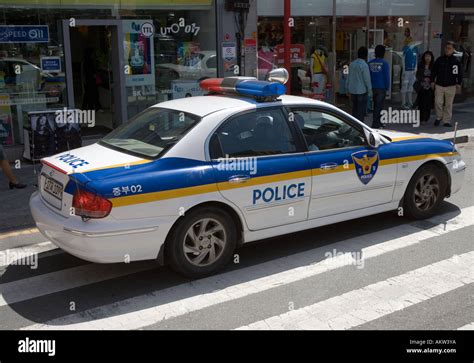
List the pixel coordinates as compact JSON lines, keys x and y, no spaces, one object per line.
{"x":378,"y":272}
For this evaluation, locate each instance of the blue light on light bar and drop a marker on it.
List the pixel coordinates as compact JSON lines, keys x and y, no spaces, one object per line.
{"x":260,"y":88}
{"x":245,"y":87}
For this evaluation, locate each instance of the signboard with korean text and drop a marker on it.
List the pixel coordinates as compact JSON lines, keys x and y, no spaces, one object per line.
{"x":297,"y":54}
{"x":51,"y":64}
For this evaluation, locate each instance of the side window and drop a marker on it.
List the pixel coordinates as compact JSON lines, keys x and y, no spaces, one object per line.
{"x":323,"y":131}
{"x":258,"y":133}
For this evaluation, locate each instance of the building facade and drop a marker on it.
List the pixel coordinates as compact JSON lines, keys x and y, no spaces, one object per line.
{"x":336,"y":29}
{"x":117,"y":58}
{"x":114,"y":58}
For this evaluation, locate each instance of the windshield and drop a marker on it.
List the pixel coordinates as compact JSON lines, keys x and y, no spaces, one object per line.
{"x":152,"y":132}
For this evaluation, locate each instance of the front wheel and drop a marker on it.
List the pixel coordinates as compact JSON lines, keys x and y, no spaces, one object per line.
{"x":202,"y":243}
{"x":425,"y":192}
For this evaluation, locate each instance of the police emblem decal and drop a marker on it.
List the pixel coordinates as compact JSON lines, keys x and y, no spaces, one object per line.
{"x":366,"y":164}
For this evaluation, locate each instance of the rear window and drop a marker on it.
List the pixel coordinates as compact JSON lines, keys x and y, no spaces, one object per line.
{"x":151,"y":133}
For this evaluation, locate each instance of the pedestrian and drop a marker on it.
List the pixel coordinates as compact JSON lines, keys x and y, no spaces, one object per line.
{"x":13,"y":182}
{"x":380,"y":78}
{"x":423,"y":87}
{"x":359,"y":86}
{"x":447,"y":79}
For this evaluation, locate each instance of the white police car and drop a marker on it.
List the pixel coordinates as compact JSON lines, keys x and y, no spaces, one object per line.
{"x":187,"y":181}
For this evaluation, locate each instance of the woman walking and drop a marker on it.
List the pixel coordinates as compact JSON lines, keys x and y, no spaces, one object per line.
{"x":423,"y":86}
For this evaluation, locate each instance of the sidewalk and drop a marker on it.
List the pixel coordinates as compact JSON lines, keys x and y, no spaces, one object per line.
{"x":14,"y":209}
{"x":15,"y":213}
{"x":463,"y":114}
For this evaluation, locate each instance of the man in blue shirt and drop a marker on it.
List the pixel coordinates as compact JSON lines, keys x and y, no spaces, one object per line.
{"x":380,"y":76}
{"x":358,"y":84}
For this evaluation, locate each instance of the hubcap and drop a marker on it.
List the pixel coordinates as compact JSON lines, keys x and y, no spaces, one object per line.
{"x":426,"y":192}
{"x":204,"y":242}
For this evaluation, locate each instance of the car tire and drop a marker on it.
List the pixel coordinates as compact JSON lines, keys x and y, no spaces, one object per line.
{"x":425,"y":192}
{"x":202,"y":243}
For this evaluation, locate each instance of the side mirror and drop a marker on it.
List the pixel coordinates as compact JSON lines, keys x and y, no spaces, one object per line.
{"x":373,"y":138}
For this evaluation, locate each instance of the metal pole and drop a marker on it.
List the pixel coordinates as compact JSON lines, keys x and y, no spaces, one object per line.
{"x":367,"y":25}
{"x":287,"y":42}
{"x":334,"y":24}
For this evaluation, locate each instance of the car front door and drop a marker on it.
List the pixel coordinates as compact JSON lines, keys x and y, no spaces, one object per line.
{"x":347,"y":174}
{"x":261,"y":168}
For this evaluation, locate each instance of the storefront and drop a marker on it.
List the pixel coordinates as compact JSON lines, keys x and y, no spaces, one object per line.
{"x":459,"y":26}
{"x":335,"y":31}
{"x":113,"y":58}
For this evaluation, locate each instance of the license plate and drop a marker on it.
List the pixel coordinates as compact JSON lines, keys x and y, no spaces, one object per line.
{"x":54,"y":188}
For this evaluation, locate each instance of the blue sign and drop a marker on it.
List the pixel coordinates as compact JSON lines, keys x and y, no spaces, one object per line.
{"x":51,"y":64}
{"x":24,"y":34}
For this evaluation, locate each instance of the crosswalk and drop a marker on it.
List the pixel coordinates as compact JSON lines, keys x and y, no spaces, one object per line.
{"x":402,"y":286}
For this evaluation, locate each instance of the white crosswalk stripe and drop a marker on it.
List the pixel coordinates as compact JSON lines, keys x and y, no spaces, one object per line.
{"x":152,"y":308}
{"x":377,"y":300}
{"x":32,"y":287}
{"x":467,"y":327}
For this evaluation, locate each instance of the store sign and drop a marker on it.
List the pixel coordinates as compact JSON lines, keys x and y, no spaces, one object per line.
{"x":229,"y":51}
{"x":51,"y":64}
{"x":297,"y":54}
{"x":24,"y":34}
{"x":147,"y":30}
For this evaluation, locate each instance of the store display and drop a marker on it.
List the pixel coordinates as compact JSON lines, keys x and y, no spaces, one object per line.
{"x":48,"y":134}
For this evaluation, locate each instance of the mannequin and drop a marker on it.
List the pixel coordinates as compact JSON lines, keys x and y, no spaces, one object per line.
{"x":318,"y":71}
{"x":410,"y":61}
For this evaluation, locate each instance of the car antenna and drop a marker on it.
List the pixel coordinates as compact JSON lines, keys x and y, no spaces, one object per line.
{"x":455,"y":133}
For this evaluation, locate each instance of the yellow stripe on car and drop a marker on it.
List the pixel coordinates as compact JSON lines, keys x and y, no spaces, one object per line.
{"x":211,"y":188}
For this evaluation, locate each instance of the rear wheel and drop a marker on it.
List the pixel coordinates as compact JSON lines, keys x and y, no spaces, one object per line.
{"x":425,"y":193}
{"x":202,"y":243}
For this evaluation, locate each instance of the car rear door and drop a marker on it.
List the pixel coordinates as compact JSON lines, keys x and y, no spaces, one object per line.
{"x":347,"y":174}
{"x":261,"y":168}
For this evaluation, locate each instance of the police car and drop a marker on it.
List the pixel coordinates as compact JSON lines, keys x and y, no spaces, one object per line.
{"x":188,"y":181}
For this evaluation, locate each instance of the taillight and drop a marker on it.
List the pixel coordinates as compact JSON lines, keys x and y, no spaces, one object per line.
{"x":90,"y":205}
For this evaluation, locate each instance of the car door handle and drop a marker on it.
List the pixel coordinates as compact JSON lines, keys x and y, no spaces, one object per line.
{"x":239,"y":179}
{"x":328,"y":166}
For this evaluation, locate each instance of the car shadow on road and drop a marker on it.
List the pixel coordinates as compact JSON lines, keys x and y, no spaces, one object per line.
{"x":64,"y":285}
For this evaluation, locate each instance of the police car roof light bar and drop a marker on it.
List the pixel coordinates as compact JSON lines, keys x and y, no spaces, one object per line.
{"x":244,"y":87}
